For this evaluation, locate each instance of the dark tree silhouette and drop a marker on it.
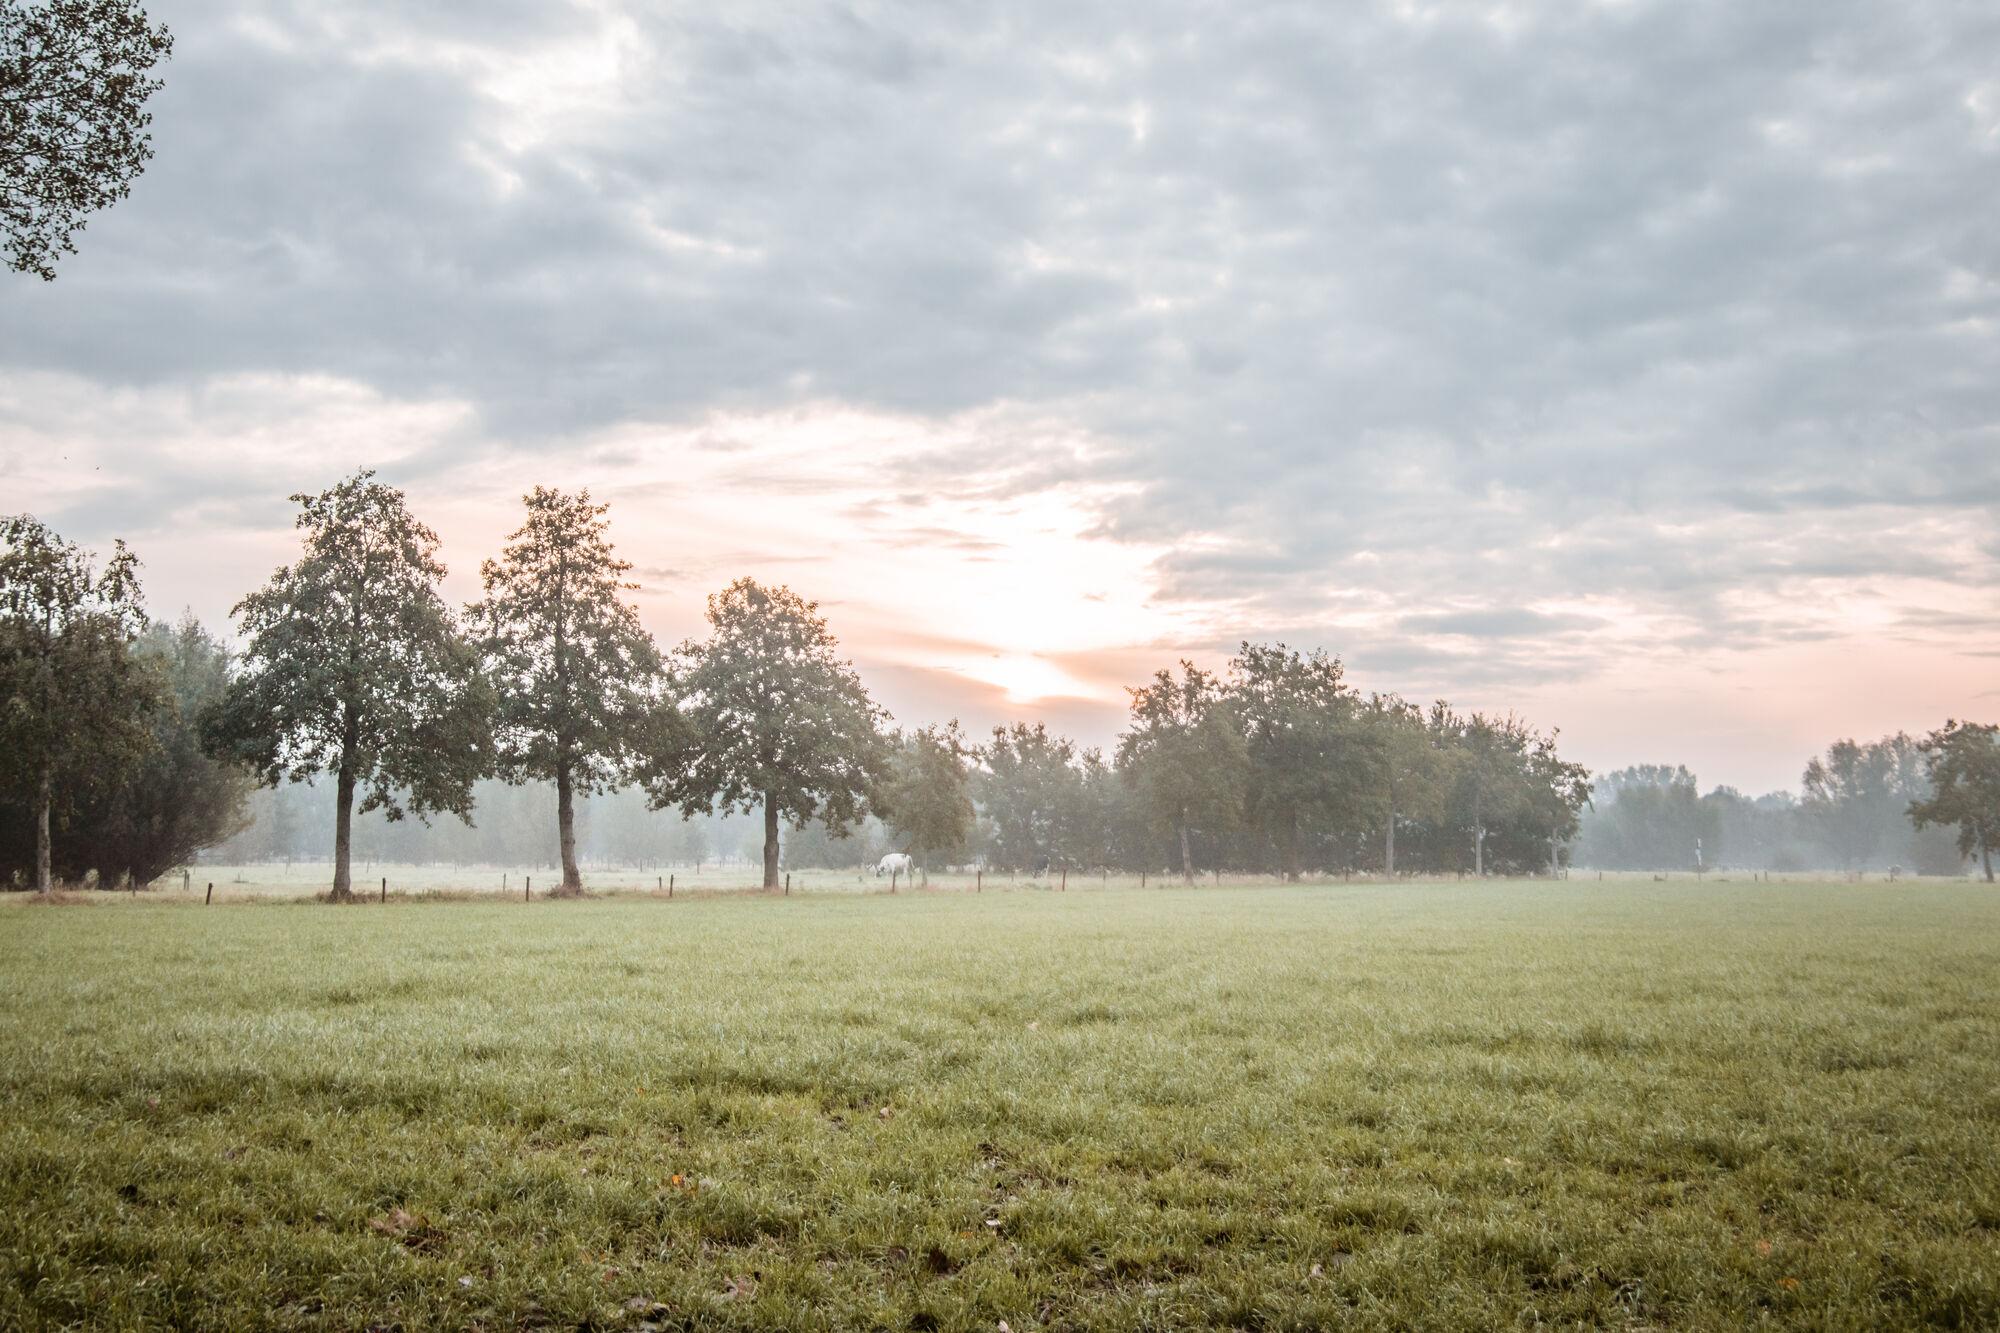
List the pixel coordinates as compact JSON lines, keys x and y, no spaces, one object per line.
{"x":74,"y":81}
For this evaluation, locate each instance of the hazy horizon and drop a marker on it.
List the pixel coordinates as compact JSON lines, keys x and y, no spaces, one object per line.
{"x":1626,"y":366}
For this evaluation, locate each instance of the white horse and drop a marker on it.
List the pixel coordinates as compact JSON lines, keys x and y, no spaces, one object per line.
{"x":896,"y":863}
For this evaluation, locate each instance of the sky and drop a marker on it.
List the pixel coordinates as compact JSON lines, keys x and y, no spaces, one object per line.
{"x":1630,"y":366}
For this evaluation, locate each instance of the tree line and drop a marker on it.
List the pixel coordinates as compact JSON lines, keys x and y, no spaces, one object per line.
{"x":130,"y":746}
{"x":1901,"y":803}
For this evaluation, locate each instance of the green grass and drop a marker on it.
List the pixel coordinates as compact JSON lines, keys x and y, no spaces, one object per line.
{"x":1443,"y":1106}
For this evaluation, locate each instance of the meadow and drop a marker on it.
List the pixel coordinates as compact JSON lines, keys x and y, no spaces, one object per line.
{"x":1449,"y":1105}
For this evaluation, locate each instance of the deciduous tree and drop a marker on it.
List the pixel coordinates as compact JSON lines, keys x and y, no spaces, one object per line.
{"x":1185,"y":756}
{"x":355,"y":667}
{"x":924,"y":801}
{"x":577,"y":679}
{"x":1962,"y":760}
{"x":770,"y":716}
{"x":75,"y":76}
{"x":75,"y":703}
{"x":176,"y":800}
{"x":1308,"y":760}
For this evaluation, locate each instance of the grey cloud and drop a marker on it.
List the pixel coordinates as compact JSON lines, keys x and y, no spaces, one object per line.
{"x":1662,"y":300}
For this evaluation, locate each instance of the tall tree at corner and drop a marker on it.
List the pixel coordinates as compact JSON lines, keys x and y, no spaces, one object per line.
{"x":775,"y":719}
{"x":576,"y":676}
{"x":75,"y":703}
{"x":354,"y":667}
{"x":75,"y":76}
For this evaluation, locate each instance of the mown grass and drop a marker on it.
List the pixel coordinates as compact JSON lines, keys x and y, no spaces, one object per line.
{"x":1445,"y":1106}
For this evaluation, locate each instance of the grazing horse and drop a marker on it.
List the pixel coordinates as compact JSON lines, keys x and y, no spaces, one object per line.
{"x":896,"y":863}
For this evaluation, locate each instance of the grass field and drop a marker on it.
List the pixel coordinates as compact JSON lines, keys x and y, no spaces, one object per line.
{"x":1442,"y":1106}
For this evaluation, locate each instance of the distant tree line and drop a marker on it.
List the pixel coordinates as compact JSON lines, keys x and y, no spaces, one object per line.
{"x":1923,"y":806}
{"x":130,"y":746}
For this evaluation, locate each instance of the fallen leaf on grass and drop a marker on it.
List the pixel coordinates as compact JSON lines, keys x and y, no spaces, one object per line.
{"x":1764,"y":1248}
{"x":1789,"y":1283}
{"x":395,"y":1222}
{"x":739,"y":1288}
{"x":885,"y":1112}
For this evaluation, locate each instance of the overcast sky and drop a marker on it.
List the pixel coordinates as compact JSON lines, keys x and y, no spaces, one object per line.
{"x":1630,"y":365}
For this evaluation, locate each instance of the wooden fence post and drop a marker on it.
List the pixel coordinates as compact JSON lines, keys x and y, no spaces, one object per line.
{"x":978,"y":879}
{"x":670,"y":886}
{"x":527,"y":887}
{"x":210,"y":897}
{"x":1065,"y":879}
{"x":385,"y":888}
{"x":788,"y":883}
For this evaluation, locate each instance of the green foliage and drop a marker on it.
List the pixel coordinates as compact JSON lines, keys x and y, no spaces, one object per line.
{"x":354,"y":667}
{"x":1858,"y":796}
{"x":577,"y":679}
{"x":1309,"y":761}
{"x":75,"y":703}
{"x":74,"y":81}
{"x":1462,"y":1107}
{"x":1962,"y":765}
{"x":176,"y":800}
{"x":1032,"y":793}
{"x":1185,"y":756}
{"x":1410,"y":768}
{"x":770,"y":716}
{"x":924,"y":798}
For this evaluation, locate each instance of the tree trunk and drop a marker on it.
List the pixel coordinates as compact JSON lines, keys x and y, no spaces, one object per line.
{"x":44,"y":798}
{"x":343,"y":831}
{"x":770,"y":840}
{"x":1292,"y":848}
{"x":1389,"y":856}
{"x":1187,"y":861}
{"x":572,"y":880}
{"x":1555,"y":864}
{"x":1479,"y":853}
{"x":1985,"y":855}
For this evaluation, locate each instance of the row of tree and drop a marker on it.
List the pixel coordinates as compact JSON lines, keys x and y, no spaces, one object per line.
{"x":129,"y":746}
{"x":1924,"y":806}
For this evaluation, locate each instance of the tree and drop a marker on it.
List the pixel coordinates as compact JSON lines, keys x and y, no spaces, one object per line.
{"x":1027,"y":790}
{"x":1847,"y":793}
{"x":1962,"y":760}
{"x":1490,"y":785}
{"x":75,"y":703}
{"x":769,"y":715}
{"x":1409,"y":769}
{"x":355,"y":667}
{"x":177,"y":800}
{"x":74,"y":80}
{"x":690,"y":842}
{"x":576,"y":678}
{"x":924,"y":799}
{"x":1307,"y":759}
{"x":1184,"y":755}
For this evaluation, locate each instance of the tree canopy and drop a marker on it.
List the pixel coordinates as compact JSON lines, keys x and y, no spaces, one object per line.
{"x":925,"y":795}
{"x":1185,"y":756}
{"x":75,"y":703}
{"x":576,"y":678}
{"x":75,"y":76}
{"x":1962,"y":762}
{"x":354,"y":666}
{"x":770,"y":715}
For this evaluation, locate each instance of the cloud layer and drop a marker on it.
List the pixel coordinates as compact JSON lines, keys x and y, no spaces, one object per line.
{"x":1517,"y":350}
